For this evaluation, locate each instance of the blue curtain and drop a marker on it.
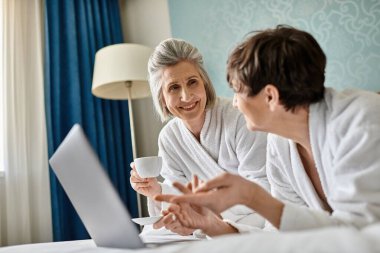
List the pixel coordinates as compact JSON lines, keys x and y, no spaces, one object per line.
{"x":74,"y":31}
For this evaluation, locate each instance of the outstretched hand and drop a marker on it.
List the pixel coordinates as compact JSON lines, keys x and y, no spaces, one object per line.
{"x":170,"y":222}
{"x":217,"y":194}
{"x":228,"y":190}
{"x":192,"y":216}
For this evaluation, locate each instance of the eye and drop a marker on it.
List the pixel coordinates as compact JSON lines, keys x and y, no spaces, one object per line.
{"x":173,"y":87}
{"x":193,"y":82}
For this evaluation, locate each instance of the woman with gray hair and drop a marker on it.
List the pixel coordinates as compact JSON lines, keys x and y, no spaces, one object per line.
{"x":206,"y":136}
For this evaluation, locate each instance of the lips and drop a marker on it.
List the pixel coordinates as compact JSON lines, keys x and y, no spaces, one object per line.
{"x":189,"y":107}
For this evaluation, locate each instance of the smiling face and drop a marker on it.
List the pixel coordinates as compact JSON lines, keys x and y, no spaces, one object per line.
{"x":184,"y":93}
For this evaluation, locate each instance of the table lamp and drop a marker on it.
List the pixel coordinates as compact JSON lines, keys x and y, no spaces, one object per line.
{"x":121,"y":72}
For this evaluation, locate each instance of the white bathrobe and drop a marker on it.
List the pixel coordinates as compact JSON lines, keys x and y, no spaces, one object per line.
{"x":226,"y":145}
{"x":344,"y":133}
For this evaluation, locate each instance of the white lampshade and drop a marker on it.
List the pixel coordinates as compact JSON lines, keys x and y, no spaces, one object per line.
{"x":118,"y":66}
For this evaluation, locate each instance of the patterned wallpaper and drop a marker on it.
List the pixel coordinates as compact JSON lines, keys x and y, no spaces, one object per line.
{"x":347,"y":30}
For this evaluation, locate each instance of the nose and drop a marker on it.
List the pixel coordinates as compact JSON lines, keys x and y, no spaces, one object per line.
{"x":234,"y":101}
{"x":185,"y":94}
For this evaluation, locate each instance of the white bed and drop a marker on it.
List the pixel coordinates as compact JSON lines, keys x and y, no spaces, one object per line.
{"x":322,"y":240}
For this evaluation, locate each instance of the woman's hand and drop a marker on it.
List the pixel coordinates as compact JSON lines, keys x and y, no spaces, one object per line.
{"x":217,"y":194}
{"x":170,"y":222}
{"x":228,"y":190}
{"x":148,"y":187}
{"x":188,"y":217}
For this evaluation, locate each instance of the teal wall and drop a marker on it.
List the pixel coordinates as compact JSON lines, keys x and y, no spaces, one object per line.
{"x":347,"y":30}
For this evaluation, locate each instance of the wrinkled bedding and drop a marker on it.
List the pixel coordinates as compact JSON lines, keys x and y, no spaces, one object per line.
{"x":338,"y":239}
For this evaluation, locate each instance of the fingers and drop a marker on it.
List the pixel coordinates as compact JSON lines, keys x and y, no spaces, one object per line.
{"x":201,"y":199}
{"x":174,"y":208}
{"x":195,"y":182}
{"x":182,"y":188}
{"x":173,"y":222}
{"x":133,"y":169}
{"x":159,"y":223}
{"x":168,"y":221}
{"x":136,"y":176}
{"x":147,"y":186}
{"x":188,"y":198}
{"x":189,"y":216}
{"x":142,"y":185}
{"x":178,"y":228}
{"x":164,"y":220}
{"x":189,"y":186}
{"x":164,"y":198}
{"x":137,"y":180}
{"x":218,"y":182}
{"x":204,"y":195}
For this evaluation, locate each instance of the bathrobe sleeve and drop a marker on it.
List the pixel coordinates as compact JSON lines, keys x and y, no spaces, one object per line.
{"x":251,"y":153}
{"x":174,"y":174}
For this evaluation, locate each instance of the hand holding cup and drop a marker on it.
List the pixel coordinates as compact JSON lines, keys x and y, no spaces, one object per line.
{"x":149,"y":166}
{"x":144,"y":173}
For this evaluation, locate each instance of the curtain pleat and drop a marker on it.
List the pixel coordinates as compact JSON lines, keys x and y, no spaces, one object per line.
{"x":25,"y":214}
{"x":75,"y":30}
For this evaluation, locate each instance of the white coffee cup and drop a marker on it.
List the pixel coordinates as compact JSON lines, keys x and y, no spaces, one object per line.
{"x":148,"y":166}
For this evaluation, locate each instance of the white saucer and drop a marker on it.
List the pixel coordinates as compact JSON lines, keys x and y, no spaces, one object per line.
{"x":146,"y":220}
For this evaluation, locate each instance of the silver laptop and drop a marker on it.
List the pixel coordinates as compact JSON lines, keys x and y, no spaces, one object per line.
{"x":92,"y":194}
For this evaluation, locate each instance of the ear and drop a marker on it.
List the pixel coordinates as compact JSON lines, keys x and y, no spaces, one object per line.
{"x":272,"y":96}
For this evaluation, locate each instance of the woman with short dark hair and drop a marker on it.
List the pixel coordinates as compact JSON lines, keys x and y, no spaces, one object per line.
{"x":323,"y":162}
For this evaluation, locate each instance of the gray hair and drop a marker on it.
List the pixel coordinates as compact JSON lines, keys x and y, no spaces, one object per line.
{"x":168,"y":53}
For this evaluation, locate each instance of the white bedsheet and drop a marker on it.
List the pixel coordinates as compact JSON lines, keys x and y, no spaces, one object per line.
{"x":327,"y":240}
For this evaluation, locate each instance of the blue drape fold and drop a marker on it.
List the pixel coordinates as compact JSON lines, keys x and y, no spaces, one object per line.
{"x":74,"y":31}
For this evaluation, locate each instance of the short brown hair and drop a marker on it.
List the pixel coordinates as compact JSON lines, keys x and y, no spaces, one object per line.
{"x":285,"y":57}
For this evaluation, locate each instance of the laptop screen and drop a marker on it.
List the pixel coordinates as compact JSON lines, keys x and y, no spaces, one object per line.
{"x":92,"y":194}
